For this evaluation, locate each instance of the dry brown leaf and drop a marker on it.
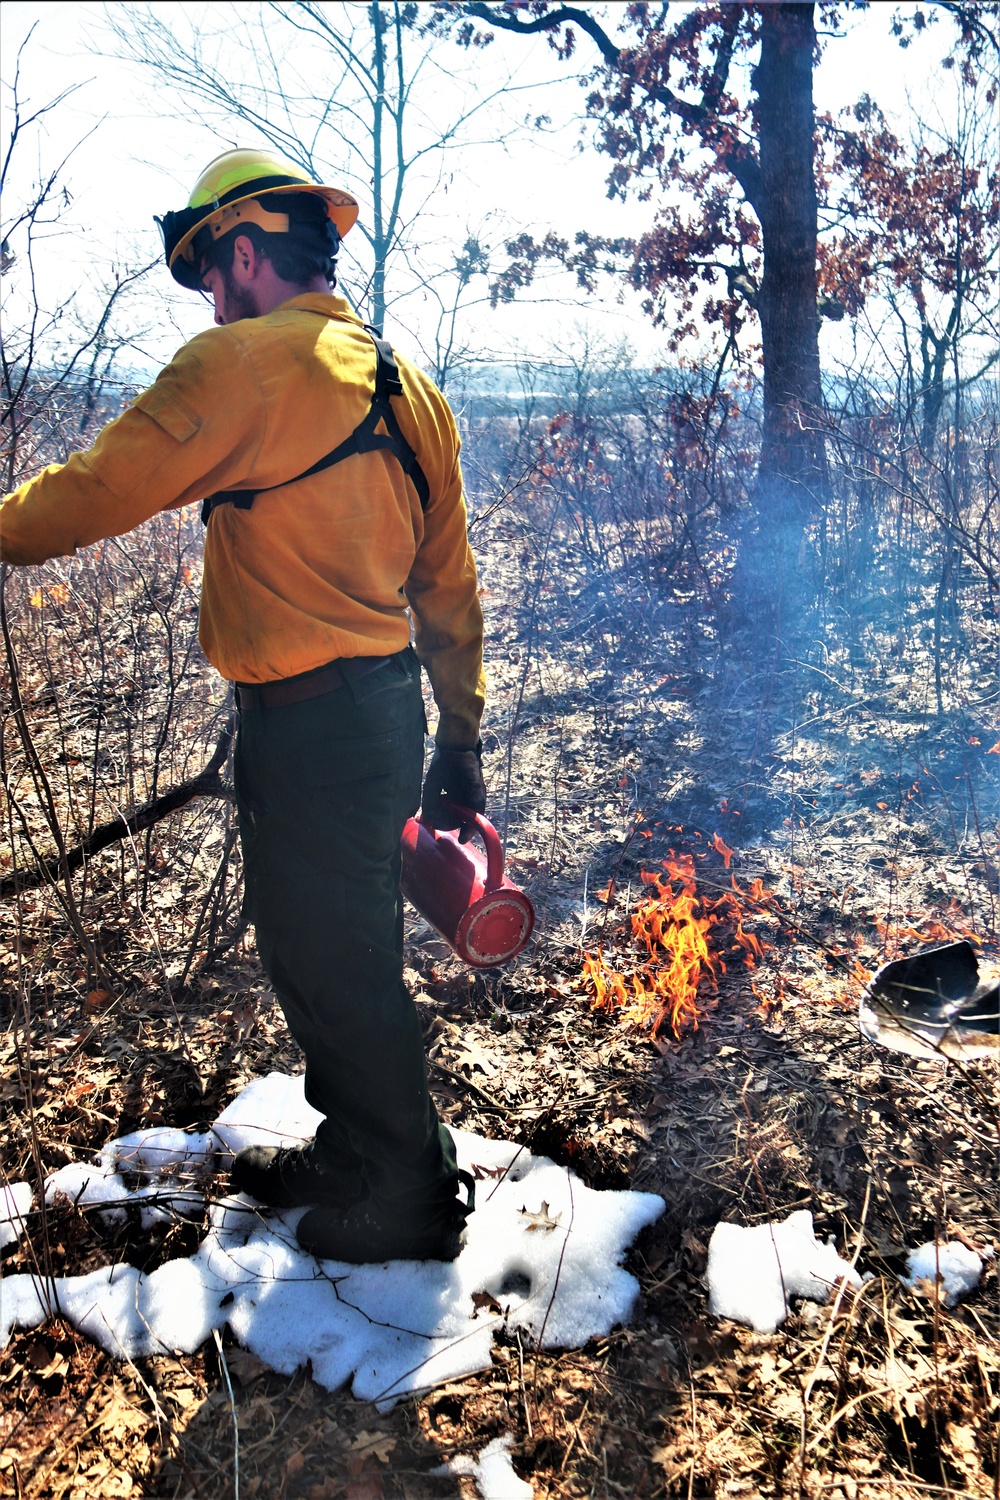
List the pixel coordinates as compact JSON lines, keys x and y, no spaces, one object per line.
{"x":245,"y":1366}
{"x":913,"y":1332}
{"x":372,"y":1444}
{"x":110,"y":1484}
{"x":472,"y":1057}
{"x":905,"y":1381}
{"x":479,"y":1173}
{"x":58,"y":1365}
{"x":963,"y":1442}
{"x":367,"y":1487}
{"x":785,"y":1405}
{"x":294,"y":1466}
{"x":121,"y":1417}
{"x":541,"y":1220}
{"x":37,"y":1354}
{"x":325,"y":1490}
{"x":693,"y":1243}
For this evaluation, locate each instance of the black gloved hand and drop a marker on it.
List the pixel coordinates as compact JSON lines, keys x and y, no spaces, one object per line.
{"x":454,"y":775}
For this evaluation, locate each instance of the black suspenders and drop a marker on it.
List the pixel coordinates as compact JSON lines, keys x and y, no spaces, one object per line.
{"x":364,"y":439}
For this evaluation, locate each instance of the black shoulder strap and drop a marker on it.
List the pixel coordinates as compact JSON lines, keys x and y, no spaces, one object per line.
{"x":364,"y":439}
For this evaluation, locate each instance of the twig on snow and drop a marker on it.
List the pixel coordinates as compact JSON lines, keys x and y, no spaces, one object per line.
{"x":555,"y":1285}
{"x":232,"y":1407}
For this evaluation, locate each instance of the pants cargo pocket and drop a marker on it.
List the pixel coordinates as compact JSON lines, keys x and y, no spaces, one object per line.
{"x":251,"y":811}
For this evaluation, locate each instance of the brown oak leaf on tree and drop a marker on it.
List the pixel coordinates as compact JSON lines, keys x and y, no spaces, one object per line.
{"x":916,"y":222}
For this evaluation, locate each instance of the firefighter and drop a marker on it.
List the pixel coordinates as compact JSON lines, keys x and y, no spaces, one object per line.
{"x":329,"y":474}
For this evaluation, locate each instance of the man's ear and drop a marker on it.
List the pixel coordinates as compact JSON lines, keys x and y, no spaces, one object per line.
{"x":246,"y":261}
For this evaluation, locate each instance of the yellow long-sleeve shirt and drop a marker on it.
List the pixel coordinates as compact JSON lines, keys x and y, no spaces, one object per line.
{"x":314,"y":571}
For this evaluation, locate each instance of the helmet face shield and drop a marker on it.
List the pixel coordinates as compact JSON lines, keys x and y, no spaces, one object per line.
{"x":173,"y":228}
{"x":228,"y":193}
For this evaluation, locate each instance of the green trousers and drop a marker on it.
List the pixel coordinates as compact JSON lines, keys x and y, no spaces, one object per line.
{"x":323,"y":789}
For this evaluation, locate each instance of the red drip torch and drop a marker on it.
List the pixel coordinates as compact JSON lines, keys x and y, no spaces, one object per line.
{"x":467,"y":898}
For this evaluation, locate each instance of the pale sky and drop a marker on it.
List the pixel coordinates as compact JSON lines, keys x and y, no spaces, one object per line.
{"x":144,"y":152}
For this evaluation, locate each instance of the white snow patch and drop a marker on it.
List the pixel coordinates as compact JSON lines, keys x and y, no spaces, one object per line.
{"x":958,"y":1267}
{"x":544,"y":1247}
{"x":163,"y":1151}
{"x":15,"y":1202}
{"x":753,"y":1273}
{"x":270,"y":1111}
{"x":88,"y":1185}
{"x":165,"y":1166}
{"x":493,"y":1472}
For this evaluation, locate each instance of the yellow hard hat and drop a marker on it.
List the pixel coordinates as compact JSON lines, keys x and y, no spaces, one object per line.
{"x":225,"y":195}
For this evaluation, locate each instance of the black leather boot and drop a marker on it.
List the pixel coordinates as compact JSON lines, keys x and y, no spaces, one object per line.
{"x":372,"y":1232}
{"x":288,"y":1176}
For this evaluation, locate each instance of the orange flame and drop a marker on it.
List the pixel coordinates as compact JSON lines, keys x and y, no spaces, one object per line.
{"x":930,"y":930}
{"x":723,"y":849}
{"x":672,"y":927}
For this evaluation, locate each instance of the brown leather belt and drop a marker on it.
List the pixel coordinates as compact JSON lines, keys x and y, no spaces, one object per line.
{"x":314,"y":684}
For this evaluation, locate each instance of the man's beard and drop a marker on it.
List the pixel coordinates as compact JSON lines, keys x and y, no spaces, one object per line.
{"x":239,"y":300}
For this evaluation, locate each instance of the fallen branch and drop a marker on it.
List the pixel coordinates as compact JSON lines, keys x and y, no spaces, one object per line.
{"x":208,"y":783}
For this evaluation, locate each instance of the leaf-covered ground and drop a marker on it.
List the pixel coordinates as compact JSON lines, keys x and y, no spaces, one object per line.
{"x":613,"y":738}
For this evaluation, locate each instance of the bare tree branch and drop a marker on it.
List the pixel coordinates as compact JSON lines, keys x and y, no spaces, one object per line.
{"x":565,"y":15}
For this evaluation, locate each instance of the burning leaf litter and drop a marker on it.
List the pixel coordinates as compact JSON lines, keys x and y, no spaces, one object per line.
{"x":392,"y":1329}
{"x":792,"y":1106}
{"x":673,"y":927}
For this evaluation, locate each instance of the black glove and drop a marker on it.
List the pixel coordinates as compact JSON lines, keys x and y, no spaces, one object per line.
{"x":457,"y":776}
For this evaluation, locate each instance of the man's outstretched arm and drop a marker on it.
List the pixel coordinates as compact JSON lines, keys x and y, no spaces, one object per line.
{"x":179,"y":440}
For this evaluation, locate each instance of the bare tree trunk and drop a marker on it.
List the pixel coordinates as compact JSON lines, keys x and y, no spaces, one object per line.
{"x":770,"y":586}
{"x":934,"y":355}
{"x":793,"y":453}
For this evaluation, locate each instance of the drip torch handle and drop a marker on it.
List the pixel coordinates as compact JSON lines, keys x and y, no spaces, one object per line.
{"x":491,"y":843}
